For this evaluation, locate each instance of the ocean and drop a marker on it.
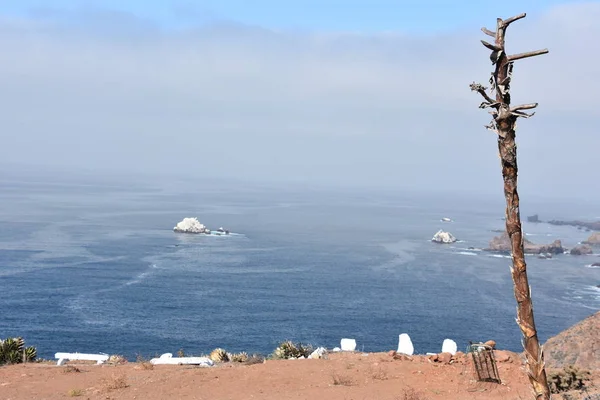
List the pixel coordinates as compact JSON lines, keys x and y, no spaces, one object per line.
{"x":94,"y":266}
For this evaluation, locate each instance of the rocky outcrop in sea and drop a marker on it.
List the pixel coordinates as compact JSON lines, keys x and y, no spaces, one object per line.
{"x":593,"y":240}
{"x":581,"y":250}
{"x":443,"y":237}
{"x":502,"y":244}
{"x":190,"y":225}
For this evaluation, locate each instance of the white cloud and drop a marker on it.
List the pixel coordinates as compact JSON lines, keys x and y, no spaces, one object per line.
{"x":115,"y":91}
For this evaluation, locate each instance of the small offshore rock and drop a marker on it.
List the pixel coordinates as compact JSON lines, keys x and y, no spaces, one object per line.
{"x":190,"y":225}
{"x":443,"y":237}
{"x":581,"y":250}
{"x":594,"y":239}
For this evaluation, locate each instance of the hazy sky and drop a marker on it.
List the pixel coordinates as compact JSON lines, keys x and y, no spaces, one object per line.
{"x":361,"y":92}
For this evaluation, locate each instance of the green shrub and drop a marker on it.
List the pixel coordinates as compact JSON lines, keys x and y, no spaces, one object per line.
{"x":13,"y":351}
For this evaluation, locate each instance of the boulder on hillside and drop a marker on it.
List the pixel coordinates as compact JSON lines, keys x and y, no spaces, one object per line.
{"x":502,"y":244}
{"x":443,"y":237}
{"x":581,"y":250}
{"x":593,"y":240}
{"x":579,"y":346}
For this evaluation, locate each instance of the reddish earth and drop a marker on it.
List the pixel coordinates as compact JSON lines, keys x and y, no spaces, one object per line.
{"x":358,"y":376}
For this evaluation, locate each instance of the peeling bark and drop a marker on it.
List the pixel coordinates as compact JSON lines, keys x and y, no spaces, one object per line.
{"x":504,"y":124}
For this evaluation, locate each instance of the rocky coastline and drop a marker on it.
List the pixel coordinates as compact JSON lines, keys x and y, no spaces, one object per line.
{"x":501,"y":244}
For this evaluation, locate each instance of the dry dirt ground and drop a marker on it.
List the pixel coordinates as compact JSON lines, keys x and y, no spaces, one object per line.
{"x":357,"y":376}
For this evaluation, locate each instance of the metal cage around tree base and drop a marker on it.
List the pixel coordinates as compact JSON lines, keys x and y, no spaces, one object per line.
{"x":484,"y":362}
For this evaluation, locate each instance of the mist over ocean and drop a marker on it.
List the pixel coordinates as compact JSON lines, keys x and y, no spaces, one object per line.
{"x":93,"y":266}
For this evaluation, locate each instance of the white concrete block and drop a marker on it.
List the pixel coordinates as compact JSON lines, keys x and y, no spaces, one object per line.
{"x":405,"y":345}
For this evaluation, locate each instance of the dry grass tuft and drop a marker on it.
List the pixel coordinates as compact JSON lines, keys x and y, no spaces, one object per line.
{"x":379,"y":374}
{"x":70,"y":369}
{"x":116,"y":382}
{"x":411,"y":394}
{"x":144,"y":363}
{"x":75,"y":393}
{"x":147,"y":365}
{"x":569,"y":378}
{"x":341,"y":380}
{"x":116,"y":359}
{"x":254,"y":359}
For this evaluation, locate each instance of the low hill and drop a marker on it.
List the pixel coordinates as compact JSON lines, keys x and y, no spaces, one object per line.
{"x":579,"y":345}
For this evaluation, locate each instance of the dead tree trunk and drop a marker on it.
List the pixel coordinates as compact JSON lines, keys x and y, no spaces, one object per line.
{"x":504,"y":124}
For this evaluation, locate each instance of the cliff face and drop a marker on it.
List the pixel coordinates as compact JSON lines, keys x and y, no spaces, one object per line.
{"x":502,"y":244}
{"x":579,"y":345}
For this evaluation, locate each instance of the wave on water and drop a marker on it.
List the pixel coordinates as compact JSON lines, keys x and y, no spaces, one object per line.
{"x":467,"y":253}
{"x":140,"y":277}
{"x":499,"y":256}
{"x":469,"y":249}
{"x":538,"y":234}
{"x":223,"y":234}
{"x":593,"y":266}
{"x":586,"y":293}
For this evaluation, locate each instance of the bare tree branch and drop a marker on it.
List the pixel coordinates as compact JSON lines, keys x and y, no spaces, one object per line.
{"x":488,"y":32}
{"x":490,"y":46}
{"x":510,"y":20}
{"x":528,"y":54}
{"x":478,"y":87}
{"x":529,"y":106}
{"x":522,"y":114}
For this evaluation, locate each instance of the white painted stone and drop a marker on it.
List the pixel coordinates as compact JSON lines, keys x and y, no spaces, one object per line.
{"x":62,"y":357}
{"x":348,"y":344}
{"x":318,"y":353}
{"x":405,"y":345}
{"x":336,"y":349}
{"x":168,"y":359}
{"x":449,"y":346}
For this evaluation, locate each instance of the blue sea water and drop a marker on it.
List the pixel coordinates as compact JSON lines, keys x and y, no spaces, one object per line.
{"x":96,"y":267}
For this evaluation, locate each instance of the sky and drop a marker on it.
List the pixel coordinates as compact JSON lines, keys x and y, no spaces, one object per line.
{"x":363,"y":93}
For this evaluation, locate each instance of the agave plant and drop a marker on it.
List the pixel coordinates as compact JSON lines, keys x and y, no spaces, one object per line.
{"x":219,"y":355}
{"x":289,"y":349}
{"x":239,"y":357}
{"x":29,"y":354}
{"x":13,"y":351}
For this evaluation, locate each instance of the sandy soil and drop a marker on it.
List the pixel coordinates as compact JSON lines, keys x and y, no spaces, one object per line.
{"x":357,"y":376}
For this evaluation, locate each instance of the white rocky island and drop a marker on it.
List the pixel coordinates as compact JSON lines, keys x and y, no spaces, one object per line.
{"x":192,"y":225}
{"x":443,"y":237}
